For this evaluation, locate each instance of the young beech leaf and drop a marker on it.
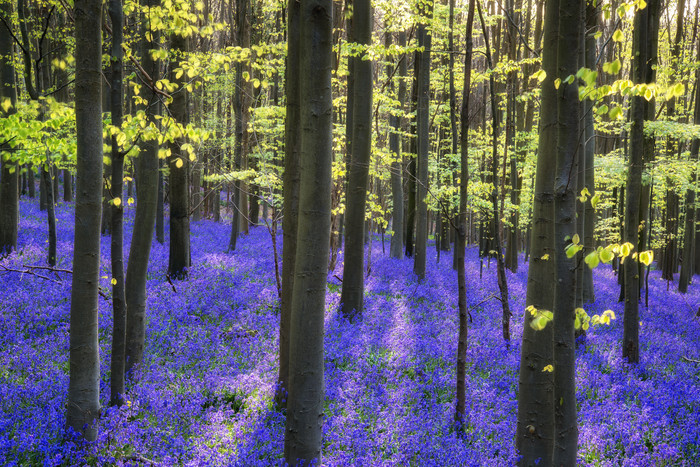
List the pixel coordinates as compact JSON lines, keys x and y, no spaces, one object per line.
{"x":548,"y":369}
{"x":606,"y":255}
{"x":576,"y":239}
{"x":625,"y":249}
{"x":618,"y":36}
{"x":595,"y":199}
{"x":646,"y":257}
{"x":117,"y":201}
{"x":592,"y":259}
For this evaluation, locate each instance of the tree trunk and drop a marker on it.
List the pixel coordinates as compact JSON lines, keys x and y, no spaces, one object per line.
{"x":422,"y":131}
{"x":117,"y":388}
{"x":590,"y":137}
{"x":145,"y":217}
{"x":395,"y":122}
{"x":83,"y":405}
{"x":292,"y":139}
{"x":352,"y":293}
{"x":9,"y":174}
{"x":303,"y":432}
{"x":179,"y":164}
{"x":534,"y":437}
{"x":569,"y":44}
{"x":643,"y":50}
{"x":689,"y":246}
{"x":460,"y":243}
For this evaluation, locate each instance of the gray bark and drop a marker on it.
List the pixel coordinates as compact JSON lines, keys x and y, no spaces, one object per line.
{"x":83,"y":405}
{"x":303,"y":432}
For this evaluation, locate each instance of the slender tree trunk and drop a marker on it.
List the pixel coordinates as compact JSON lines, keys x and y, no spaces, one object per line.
{"x":160,"y":205}
{"x":83,"y":405}
{"x":117,"y":367}
{"x":303,"y":432}
{"x":569,"y":43}
{"x":292,"y":139}
{"x":352,"y":294}
{"x":590,"y":140}
{"x":500,"y":264}
{"x":422,"y":130}
{"x":643,"y":49}
{"x":534,"y":437}
{"x":396,"y":164}
{"x":9,"y":174}
{"x":689,"y":246}
{"x":460,"y":243}
{"x":145,"y":217}
{"x":179,"y":258}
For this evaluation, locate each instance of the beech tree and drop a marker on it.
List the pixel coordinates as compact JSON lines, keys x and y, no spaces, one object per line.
{"x":352,"y":295}
{"x":303,"y":432}
{"x":84,"y":384}
{"x":9,"y":169}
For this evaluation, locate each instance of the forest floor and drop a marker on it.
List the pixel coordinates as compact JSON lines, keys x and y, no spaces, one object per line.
{"x":205,"y":390}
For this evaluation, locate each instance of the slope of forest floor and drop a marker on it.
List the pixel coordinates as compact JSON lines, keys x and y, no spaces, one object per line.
{"x":204,"y":395}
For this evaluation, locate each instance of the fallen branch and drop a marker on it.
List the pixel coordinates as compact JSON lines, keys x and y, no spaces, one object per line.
{"x":690,"y":360}
{"x":31,"y":271}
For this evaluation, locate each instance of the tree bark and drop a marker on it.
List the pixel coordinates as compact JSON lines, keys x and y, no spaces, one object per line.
{"x":292,"y":139}
{"x":83,"y":405}
{"x":569,"y":44}
{"x":145,"y":217}
{"x":534,"y":437}
{"x":179,"y":258}
{"x":422,"y":128}
{"x":352,"y":293}
{"x":9,"y":173}
{"x":118,"y":363}
{"x":303,"y":432}
{"x":460,"y":243}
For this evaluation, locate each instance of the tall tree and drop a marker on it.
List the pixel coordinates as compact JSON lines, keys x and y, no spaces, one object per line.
{"x":568,"y":107}
{"x":690,"y":209}
{"x":303,"y":433}
{"x":395,"y":147}
{"x":117,"y":390}
{"x":461,"y":239}
{"x":9,"y":198}
{"x":84,"y":384}
{"x":643,"y":49}
{"x":422,"y":130}
{"x":146,"y":201}
{"x":290,"y":188}
{"x":352,"y":294}
{"x":179,"y":259}
{"x":534,"y":436}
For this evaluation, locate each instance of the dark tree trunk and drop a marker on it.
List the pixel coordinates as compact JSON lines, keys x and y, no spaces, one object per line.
{"x":643,"y":50}
{"x":397,"y":165}
{"x":569,"y":44}
{"x":83,"y":405}
{"x":9,"y":174}
{"x":179,"y":164}
{"x":160,"y":205}
{"x":460,"y":243}
{"x":352,"y":294}
{"x":422,"y":131}
{"x":589,"y":177}
{"x":534,"y":437}
{"x":117,"y":388}
{"x":292,"y":139}
{"x":145,"y":217}
{"x":303,"y":432}
{"x":689,"y":245}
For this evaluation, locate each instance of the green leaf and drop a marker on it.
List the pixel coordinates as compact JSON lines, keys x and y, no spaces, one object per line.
{"x":606,"y":255}
{"x":646,"y":257}
{"x":595,"y":200}
{"x":618,"y":36}
{"x":557,"y":83}
{"x":615,"y":113}
{"x":592,"y":259}
{"x":602,"y":110}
